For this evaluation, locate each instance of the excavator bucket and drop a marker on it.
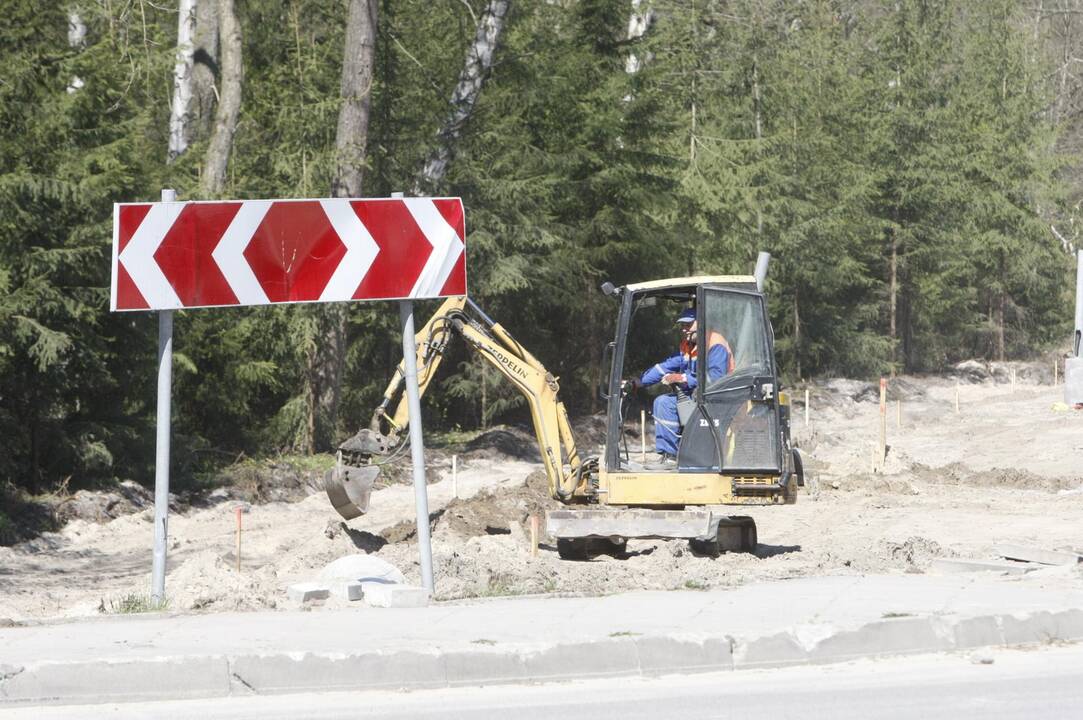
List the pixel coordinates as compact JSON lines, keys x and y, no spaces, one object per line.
{"x":349,"y":487}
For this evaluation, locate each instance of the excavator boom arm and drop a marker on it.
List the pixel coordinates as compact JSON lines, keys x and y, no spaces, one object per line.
{"x":495,"y":344}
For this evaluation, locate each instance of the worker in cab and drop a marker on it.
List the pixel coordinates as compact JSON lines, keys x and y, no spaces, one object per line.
{"x":679,"y":373}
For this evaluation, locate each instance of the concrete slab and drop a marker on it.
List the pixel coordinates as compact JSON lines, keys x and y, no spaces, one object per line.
{"x":665,"y":655}
{"x":394,"y":596}
{"x":350,"y":591}
{"x":896,"y":636}
{"x":306,"y":592}
{"x":121,"y":680}
{"x":1037,"y":555}
{"x":611,"y":657}
{"x":962,"y":565}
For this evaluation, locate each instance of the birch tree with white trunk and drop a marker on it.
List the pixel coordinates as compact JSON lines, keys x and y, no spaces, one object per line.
{"x":76,"y":40}
{"x":229,"y":105}
{"x":479,"y":61}
{"x":182,"y":79}
{"x":638,"y":23}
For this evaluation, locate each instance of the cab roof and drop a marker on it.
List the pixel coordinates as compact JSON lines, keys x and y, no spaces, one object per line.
{"x":683,"y":282}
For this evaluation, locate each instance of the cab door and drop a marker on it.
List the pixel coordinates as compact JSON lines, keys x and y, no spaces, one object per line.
{"x":735,"y":427}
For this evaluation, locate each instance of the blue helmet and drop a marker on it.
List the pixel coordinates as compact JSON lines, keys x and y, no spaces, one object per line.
{"x":687,"y":315}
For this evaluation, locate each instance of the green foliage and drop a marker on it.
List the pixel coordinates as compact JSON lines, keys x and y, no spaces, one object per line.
{"x":133,"y":603}
{"x":828,"y":132}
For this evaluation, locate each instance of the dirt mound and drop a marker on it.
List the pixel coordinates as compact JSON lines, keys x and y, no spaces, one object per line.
{"x":1019,"y":478}
{"x":590,"y":431}
{"x":508,"y":441}
{"x":272,"y":481}
{"x":102,"y":506}
{"x":915,"y":554}
{"x":494,"y":512}
{"x":490,"y":512}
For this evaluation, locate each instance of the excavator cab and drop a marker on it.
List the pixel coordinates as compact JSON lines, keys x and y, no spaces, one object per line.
{"x":734,"y":444}
{"x":730,"y":422}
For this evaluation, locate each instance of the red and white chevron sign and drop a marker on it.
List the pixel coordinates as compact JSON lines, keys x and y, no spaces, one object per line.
{"x":172,"y":255}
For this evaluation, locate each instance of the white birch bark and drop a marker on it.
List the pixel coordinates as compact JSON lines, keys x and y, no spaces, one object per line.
{"x":76,"y":40}
{"x":76,"y":30}
{"x":638,"y":23}
{"x":182,"y":79}
{"x":479,"y":60}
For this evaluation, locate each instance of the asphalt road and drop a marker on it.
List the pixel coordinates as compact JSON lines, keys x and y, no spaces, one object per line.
{"x":1043,"y":683}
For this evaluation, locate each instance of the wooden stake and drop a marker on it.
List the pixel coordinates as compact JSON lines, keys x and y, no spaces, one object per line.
{"x":1013,"y":379}
{"x":883,"y":422}
{"x":806,"y":407}
{"x":643,"y":436}
{"x":238,"y":512}
{"x":454,"y":476}
{"x":1056,"y":369}
{"x":534,"y":536}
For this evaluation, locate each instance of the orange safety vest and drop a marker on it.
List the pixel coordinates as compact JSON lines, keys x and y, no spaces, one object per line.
{"x":713,"y":338}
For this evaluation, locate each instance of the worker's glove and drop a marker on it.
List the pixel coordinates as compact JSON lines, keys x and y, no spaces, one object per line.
{"x":672,"y":378}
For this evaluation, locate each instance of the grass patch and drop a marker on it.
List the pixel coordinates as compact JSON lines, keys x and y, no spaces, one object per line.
{"x":132,"y":604}
{"x":452,"y":440}
{"x":623,"y":633}
{"x":483,"y":641}
{"x":890,"y":615}
{"x":695,"y":585}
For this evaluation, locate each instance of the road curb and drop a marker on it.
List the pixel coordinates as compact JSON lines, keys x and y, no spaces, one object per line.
{"x":194,"y":676}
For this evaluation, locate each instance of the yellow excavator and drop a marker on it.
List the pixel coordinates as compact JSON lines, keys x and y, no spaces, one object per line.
{"x":733,"y":441}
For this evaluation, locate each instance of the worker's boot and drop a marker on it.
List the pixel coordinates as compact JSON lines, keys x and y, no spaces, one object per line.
{"x":663,"y":461}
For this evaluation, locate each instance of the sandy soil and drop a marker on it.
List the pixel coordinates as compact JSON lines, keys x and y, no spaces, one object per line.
{"x":1005,"y":468}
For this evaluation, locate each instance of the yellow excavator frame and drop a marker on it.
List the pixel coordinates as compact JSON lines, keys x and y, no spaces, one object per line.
{"x":571,"y":480}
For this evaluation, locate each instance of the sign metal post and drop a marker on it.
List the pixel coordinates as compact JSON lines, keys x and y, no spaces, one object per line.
{"x":161,"y":453}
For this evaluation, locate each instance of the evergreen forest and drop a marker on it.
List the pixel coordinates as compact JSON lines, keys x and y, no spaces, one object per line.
{"x":912,"y":165}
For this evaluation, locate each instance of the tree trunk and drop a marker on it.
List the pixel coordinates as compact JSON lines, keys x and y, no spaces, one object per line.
{"x":76,"y":40}
{"x":479,"y":60}
{"x":893,"y":299}
{"x":1001,"y":302}
{"x":325,"y":367}
{"x":796,"y":333}
{"x":637,"y":27}
{"x":182,"y":80}
{"x":204,"y":71}
{"x":229,"y":106}
{"x":351,"y":136}
{"x":484,"y":400}
{"x":758,"y":118}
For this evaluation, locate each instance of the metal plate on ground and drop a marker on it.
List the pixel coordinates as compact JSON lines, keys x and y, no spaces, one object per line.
{"x":630,"y":523}
{"x":1073,"y":381}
